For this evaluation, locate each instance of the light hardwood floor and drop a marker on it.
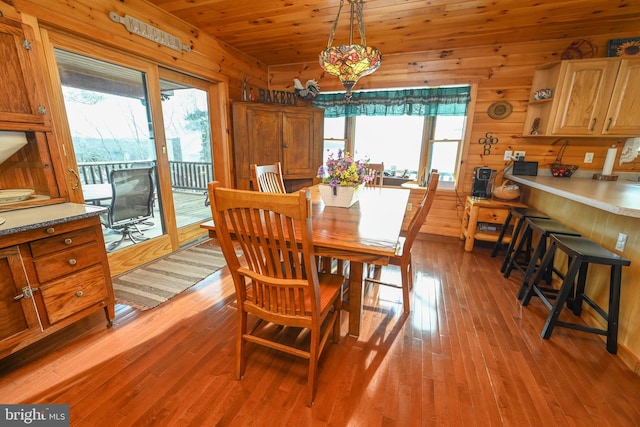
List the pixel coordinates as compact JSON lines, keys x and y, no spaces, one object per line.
{"x":467,"y":354}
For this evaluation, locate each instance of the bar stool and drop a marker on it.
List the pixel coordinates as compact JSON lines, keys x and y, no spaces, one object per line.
{"x":544,"y":228}
{"x":581,"y":252}
{"x":520,"y":214}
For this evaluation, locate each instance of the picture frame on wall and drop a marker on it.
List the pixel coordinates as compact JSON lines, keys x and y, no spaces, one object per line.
{"x":624,"y":47}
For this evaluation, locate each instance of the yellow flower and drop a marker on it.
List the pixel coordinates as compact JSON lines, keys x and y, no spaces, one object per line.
{"x":630,"y":48}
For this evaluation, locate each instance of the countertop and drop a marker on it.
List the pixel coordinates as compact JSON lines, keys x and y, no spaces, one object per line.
{"x":43,"y":216}
{"x":621,"y":197}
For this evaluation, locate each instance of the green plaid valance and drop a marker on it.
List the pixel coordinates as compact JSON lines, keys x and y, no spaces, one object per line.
{"x":443,"y":101}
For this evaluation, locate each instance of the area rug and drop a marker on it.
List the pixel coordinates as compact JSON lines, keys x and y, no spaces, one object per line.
{"x":150,"y":285}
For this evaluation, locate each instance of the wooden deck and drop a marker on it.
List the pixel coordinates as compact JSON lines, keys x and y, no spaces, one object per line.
{"x":190,"y":209}
{"x":467,"y":354}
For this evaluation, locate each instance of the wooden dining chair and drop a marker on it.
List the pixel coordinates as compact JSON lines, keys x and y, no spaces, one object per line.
{"x":405,"y":244}
{"x":267,"y":178}
{"x":277,"y":280}
{"x":377,"y":171}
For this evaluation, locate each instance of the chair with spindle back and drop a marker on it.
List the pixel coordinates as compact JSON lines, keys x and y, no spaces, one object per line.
{"x":277,"y":280}
{"x":405,"y":244}
{"x":267,"y":178}
{"x":375,"y":170}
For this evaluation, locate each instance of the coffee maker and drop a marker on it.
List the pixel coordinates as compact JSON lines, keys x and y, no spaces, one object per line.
{"x":483,"y":178}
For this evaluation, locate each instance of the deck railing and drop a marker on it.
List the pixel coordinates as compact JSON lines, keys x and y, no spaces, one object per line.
{"x":184,"y":175}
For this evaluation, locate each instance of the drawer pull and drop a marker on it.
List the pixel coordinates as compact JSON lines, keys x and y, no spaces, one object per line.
{"x":73,"y":261}
{"x":79,"y":294}
{"x":68,"y":241}
{"x":51,"y":230}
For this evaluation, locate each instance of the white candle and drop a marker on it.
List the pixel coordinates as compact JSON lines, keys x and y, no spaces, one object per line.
{"x":608,"y":161}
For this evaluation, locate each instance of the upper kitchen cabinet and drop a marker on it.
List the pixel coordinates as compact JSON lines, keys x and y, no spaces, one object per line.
{"x":588,"y":97}
{"x":23,"y":103}
{"x":623,"y":114}
{"x":269,"y":133}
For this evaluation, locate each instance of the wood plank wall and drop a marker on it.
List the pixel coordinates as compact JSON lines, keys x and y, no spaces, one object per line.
{"x":89,"y":20}
{"x":501,"y":73}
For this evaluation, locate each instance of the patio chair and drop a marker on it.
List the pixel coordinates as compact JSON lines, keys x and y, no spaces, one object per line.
{"x":131,"y":203}
{"x":277,"y":280}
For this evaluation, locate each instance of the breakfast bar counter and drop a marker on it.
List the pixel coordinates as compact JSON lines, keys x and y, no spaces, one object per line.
{"x":621,"y":197}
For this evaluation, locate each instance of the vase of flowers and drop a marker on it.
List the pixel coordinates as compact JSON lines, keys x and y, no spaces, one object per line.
{"x":343,"y":178}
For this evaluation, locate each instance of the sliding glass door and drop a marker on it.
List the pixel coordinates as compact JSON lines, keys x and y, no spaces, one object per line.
{"x":185,"y":109}
{"x":107,"y":107}
{"x":126,"y":113}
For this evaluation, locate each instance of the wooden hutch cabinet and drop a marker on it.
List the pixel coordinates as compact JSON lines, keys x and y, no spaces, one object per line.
{"x":268,"y":133}
{"x":24,"y":110}
{"x":590,"y":97}
{"x":53,"y":262}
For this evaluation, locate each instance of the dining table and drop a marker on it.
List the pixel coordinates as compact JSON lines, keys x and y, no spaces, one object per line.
{"x":365,"y":233}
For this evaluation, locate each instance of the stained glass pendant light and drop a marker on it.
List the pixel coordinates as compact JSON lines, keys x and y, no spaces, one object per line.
{"x":352,"y":61}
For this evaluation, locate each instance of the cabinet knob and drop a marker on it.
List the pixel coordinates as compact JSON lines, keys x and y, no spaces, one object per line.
{"x":79,"y":294}
{"x":68,"y":241}
{"x":73,"y":261}
{"x":285,"y":145}
{"x":42,"y":110}
{"x":50,"y":230}
{"x":595,"y":120}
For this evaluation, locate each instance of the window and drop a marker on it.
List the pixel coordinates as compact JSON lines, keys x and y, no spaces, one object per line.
{"x":444,"y":147}
{"x":395,"y":141}
{"x":407,"y":145}
{"x":334,"y":136}
{"x":411,"y":130}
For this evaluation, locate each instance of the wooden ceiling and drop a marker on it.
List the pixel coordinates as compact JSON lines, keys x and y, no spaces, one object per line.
{"x":280,"y":32}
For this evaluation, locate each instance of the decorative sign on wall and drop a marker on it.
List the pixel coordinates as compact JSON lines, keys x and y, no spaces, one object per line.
{"x":150,"y":32}
{"x":488,"y":141}
{"x":277,"y":97}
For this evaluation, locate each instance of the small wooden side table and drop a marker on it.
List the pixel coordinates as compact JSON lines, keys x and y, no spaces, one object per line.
{"x":490,"y":212}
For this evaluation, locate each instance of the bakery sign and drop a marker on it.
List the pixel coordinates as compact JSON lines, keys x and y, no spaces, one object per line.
{"x":266,"y":96}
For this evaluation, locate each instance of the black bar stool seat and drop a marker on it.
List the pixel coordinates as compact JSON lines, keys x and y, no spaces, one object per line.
{"x":582,"y":252}
{"x":520,"y":215}
{"x":543,"y":228}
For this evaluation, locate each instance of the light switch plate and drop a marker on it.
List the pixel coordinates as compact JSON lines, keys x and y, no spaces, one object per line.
{"x":622,"y":240}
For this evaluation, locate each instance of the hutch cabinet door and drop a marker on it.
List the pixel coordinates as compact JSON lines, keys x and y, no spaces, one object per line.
{"x":301,"y":160}
{"x":623,"y":116}
{"x":18,"y":316}
{"x":25,"y":104}
{"x":583,"y":97}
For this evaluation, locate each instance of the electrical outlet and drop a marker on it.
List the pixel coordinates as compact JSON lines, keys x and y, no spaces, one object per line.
{"x":622,"y":240}
{"x":409,"y":206}
{"x":519,"y":155}
{"x":508,"y":154}
{"x":588,"y":158}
